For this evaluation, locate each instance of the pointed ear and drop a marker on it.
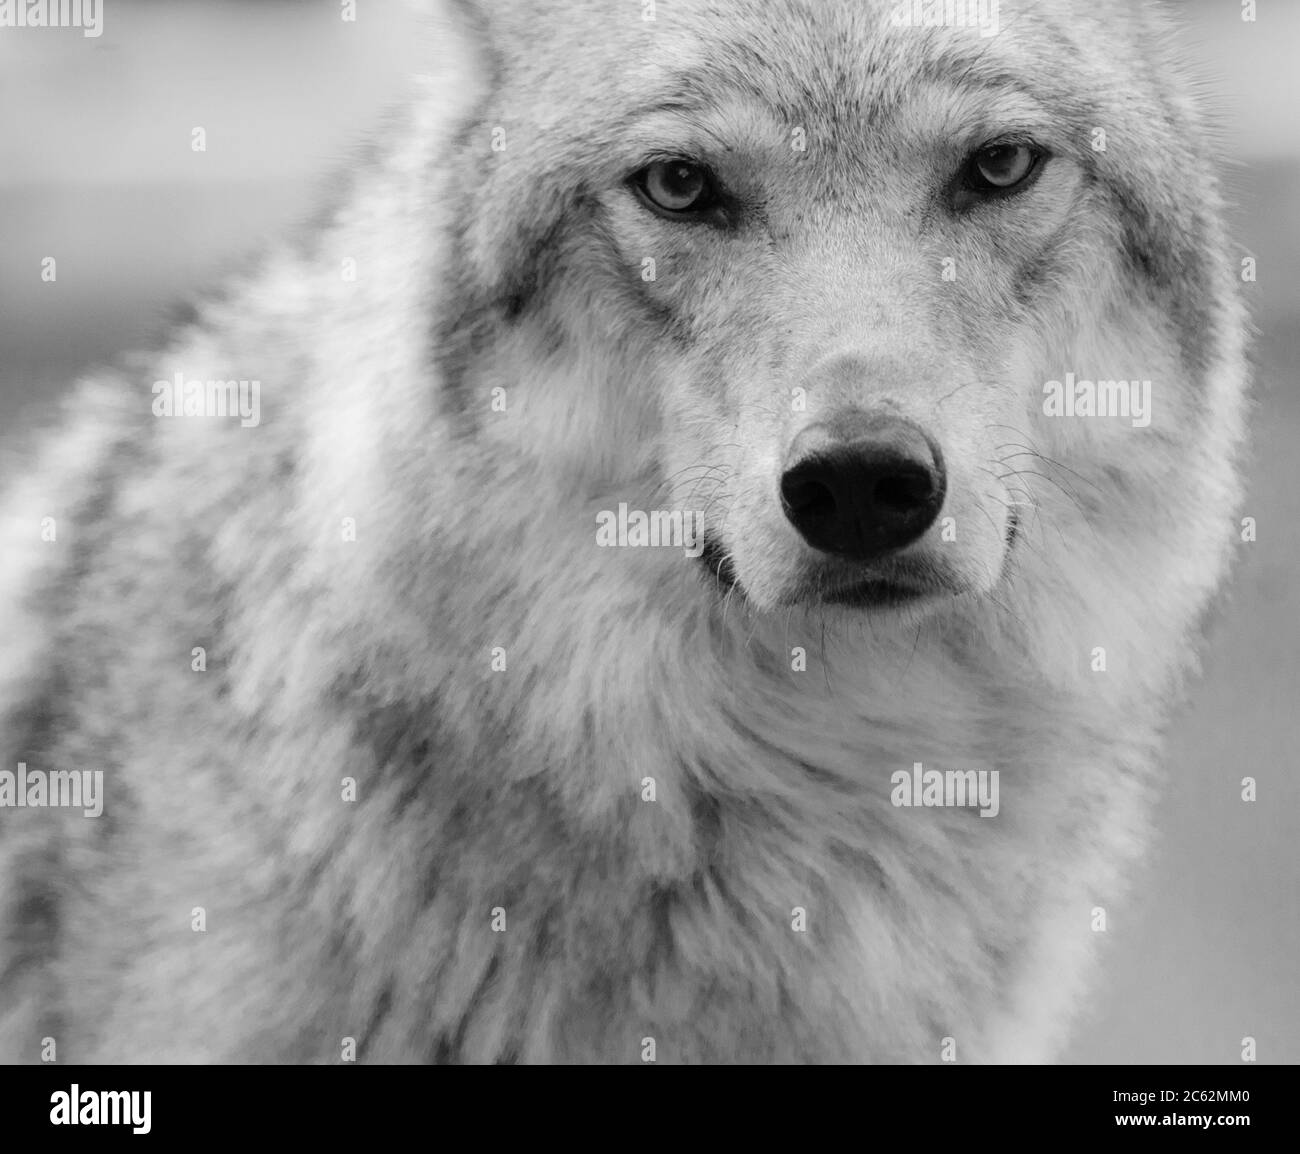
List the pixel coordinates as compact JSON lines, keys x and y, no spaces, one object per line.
{"x":477,"y":14}
{"x":513,"y":26}
{"x":473,"y":23}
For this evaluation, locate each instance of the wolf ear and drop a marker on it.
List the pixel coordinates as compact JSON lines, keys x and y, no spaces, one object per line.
{"x":475,"y":12}
{"x":492,"y":22}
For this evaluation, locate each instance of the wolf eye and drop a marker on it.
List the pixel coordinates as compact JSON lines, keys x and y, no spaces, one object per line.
{"x":676,"y":188}
{"x":1000,"y":167}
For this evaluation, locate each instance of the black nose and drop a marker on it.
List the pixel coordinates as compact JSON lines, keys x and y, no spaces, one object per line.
{"x":860,"y":486}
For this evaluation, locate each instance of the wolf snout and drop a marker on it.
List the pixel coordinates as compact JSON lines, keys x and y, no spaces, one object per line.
{"x":860,"y":485}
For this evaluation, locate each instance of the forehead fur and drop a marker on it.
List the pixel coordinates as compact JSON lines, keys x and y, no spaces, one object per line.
{"x":572,"y":82}
{"x":803,"y":56}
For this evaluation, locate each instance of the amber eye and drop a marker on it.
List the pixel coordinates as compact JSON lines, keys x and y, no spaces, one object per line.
{"x":676,"y":187}
{"x":1000,"y":167}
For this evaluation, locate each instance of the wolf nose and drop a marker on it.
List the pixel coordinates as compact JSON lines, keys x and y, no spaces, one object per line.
{"x":859,"y":485}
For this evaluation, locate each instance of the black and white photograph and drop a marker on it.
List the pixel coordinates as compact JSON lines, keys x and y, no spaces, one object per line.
{"x":649,"y":532}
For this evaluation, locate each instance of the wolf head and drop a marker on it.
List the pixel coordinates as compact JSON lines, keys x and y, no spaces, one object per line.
{"x":839,"y":282}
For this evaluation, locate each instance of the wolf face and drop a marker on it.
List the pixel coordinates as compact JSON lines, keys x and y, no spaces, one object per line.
{"x":830,"y":264}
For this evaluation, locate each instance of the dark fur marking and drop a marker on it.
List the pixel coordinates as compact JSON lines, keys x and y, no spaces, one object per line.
{"x":1159,"y":253}
{"x":33,"y":921}
{"x":459,"y":338}
{"x":405,"y":741}
{"x":383,"y":1006}
{"x":448,"y":1051}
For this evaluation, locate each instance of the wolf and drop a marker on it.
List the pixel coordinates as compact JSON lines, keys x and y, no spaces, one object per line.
{"x":401,"y":765}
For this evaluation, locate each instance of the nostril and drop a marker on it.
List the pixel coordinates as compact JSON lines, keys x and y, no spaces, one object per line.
{"x":808,"y":497}
{"x":905,"y":490}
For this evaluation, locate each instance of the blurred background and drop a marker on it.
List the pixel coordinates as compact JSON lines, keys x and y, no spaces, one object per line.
{"x":96,"y":170}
